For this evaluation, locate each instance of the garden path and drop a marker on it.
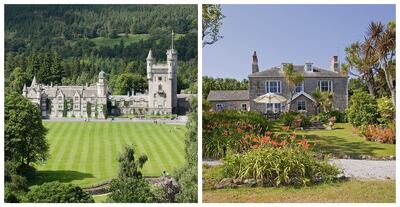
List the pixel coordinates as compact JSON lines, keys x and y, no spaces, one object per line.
{"x":367,"y":169}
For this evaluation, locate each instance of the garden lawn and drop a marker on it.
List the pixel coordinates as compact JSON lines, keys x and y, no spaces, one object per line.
{"x":85,"y":153}
{"x":342,"y":141}
{"x":353,"y":191}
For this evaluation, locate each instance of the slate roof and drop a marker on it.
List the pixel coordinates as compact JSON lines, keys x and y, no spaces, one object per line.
{"x":231,"y":95}
{"x":276,"y":71}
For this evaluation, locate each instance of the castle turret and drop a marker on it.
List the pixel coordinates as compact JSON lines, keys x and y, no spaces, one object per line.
{"x":254,"y":65}
{"x":34,"y":84}
{"x":25,"y":91}
{"x":102,"y":85}
{"x":149,"y":65}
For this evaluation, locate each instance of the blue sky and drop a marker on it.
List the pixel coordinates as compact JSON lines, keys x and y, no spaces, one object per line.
{"x":287,"y":33}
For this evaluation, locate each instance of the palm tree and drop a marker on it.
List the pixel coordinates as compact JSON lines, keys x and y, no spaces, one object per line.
{"x":323,"y":99}
{"x":292,"y":79}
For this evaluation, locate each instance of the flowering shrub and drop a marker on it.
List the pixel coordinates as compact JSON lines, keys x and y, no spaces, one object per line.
{"x":275,"y":166}
{"x":223,"y":130}
{"x":383,"y":134}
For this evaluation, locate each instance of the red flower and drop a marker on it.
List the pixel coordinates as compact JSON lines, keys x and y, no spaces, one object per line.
{"x":273,"y":143}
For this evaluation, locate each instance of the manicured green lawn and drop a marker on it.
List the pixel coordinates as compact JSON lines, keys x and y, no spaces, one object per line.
{"x":85,"y":153}
{"x":100,"y":198}
{"x":353,"y":191}
{"x":110,"y":42}
{"x":342,"y":141}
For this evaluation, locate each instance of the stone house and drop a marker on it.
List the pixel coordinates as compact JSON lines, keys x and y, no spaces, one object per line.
{"x":272,"y":81}
{"x":229,"y":100}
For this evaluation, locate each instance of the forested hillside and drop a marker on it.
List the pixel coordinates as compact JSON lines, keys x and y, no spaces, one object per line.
{"x":71,"y":44}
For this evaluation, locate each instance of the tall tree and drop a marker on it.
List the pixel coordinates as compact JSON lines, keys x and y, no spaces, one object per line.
{"x":24,"y":134}
{"x":128,"y":166}
{"x":212,"y":22}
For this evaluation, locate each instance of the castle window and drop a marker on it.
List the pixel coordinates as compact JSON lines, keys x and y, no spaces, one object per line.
{"x":76,"y":98}
{"x":76,"y":106}
{"x":273,"y":86}
{"x":59,"y":98}
{"x":325,"y":85}
{"x":60,"y":106}
{"x":160,"y":87}
{"x":159,"y":78}
{"x":92,"y":99}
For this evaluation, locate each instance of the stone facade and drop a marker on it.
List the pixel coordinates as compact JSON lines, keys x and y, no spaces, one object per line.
{"x":229,"y":100}
{"x":73,"y":101}
{"x":273,"y":81}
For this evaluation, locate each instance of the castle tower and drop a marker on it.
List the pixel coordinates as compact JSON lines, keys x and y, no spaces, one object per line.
{"x":172,"y":59}
{"x":162,"y":82}
{"x":101,"y":85}
{"x":254,"y":65}
{"x":149,"y":60}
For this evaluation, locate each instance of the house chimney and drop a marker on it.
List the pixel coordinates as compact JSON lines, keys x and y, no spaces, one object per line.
{"x":335,"y":67}
{"x":254,"y":66}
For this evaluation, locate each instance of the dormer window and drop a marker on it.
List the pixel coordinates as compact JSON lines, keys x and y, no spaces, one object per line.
{"x":308,"y":67}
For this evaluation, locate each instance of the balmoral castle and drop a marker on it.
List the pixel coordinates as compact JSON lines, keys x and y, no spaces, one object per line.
{"x":96,"y":100}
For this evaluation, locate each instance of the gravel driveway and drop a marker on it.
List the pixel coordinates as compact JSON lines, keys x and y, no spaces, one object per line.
{"x":361,"y":169}
{"x":367,"y":169}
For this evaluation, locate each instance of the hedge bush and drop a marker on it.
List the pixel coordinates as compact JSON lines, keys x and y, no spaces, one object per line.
{"x":324,"y":116}
{"x":363,"y":109}
{"x":223,"y":130}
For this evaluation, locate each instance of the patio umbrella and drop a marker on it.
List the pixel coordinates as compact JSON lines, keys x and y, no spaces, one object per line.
{"x":270,"y":98}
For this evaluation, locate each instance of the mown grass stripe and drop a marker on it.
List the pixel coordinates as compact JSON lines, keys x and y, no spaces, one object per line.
{"x":85,"y":139}
{"x":173,"y":158}
{"x":153,"y":150}
{"x":59,"y":153}
{"x":75,"y":145}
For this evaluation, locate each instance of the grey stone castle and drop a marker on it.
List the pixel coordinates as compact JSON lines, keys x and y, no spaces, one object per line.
{"x":96,"y":100}
{"x":272,"y":81}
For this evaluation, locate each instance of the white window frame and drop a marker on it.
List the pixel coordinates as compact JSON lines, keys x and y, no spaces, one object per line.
{"x":330,"y":85}
{"x":309,"y":67}
{"x":278,"y":86}
{"x":305,"y":105}
{"x":274,"y":107}
{"x":301,"y":85}
{"x":241,"y":107}
{"x":219,"y":106}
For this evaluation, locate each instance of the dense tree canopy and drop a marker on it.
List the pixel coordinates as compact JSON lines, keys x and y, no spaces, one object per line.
{"x":71,"y":44}
{"x":56,"y":192}
{"x":24,"y":135}
{"x":210,"y":83}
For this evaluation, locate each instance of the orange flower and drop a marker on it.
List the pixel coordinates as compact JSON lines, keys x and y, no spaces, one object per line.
{"x":304,"y":143}
{"x":273,"y":143}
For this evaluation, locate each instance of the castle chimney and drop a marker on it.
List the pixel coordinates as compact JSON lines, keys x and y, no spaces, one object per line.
{"x":254,"y":66}
{"x":335,"y":67}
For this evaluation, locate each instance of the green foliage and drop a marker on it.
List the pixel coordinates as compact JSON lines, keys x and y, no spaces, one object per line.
{"x":56,"y":192}
{"x":212,"y":23}
{"x":288,"y":119}
{"x":24,"y":134}
{"x":220,"y":130}
{"x":386,"y":110}
{"x":279,"y":166}
{"x":210,"y":83}
{"x":132,"y":190}
{"x":127,"y":81}
{"x":187,"y":176}
{"x":10,"y":196}
{"x":128,"y":166}
{"x":324,"y":116}
{"x":78,"y":37}
{"x":362,"y":110}
{"x":89,"y":109}
{"x":323,"y":99}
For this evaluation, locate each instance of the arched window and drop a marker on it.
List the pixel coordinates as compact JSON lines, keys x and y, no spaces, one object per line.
{"x":160,"y":87}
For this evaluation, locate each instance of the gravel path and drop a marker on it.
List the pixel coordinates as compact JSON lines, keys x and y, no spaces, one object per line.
{"x":367,"y":169}
{"x":361,"y":169}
